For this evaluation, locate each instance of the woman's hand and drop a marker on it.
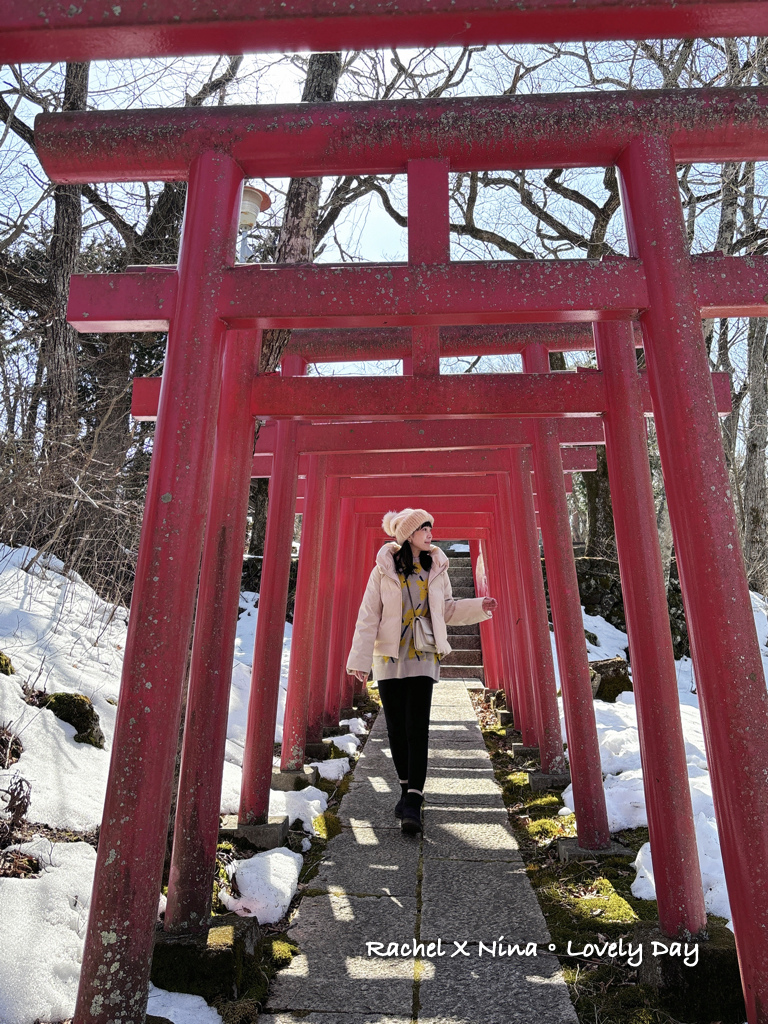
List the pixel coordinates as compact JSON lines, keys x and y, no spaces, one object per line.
{"x":361,"y":676}
{"x":489,"y":604}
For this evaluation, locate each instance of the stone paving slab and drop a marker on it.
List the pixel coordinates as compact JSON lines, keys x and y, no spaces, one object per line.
{"x":282,"y":1017}
{"x":464,"y":878}
{"x":459,"y":758}
{"x":456,"y":906}
{"x":508,"y":990}
{"x":333,"y":971}
{"x":478,"y":789}
{"x":343,"y":924}
{"x":371,"y":860}
{"x":331,"y":982}
{"x":449,"y":835}
{"x":455,"y":734}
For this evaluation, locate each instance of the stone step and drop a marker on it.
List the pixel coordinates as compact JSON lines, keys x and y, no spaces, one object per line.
{"x":461,"y":578}
{"x":462,"y":672}
{"x":465,"y":643}
{"x":473,"y":630}
{"x":460,"y":592}
{"x":459,"y":657}
{"x":460,"y":563}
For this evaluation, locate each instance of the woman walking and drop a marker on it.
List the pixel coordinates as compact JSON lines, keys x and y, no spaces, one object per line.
{"x":401,"y":630}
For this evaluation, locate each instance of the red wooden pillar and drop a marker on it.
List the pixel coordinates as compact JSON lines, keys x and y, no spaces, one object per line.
{"x":342,"y":598}
{"x":520,"y":635}
{"x":729,"y":673}
{"x":662,"y":747}
{"x":487,"y":633}
{"x":369,"y":547}
{"x":304,"y":618}
{"x":196,"y":827}
{"x":355,"y":550}
{"x":583,"y":750}
{"x":524,"y":516}
{"x":270,"y":625}
{"x":121,"y":927}
{"x":498,"y":586}
{"x":320,"y":680}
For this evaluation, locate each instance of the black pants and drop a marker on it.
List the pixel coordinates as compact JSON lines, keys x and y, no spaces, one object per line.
{"x":407,"y":704}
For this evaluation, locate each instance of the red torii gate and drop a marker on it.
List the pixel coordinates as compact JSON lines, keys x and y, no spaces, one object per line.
{"x":36,"y":30}
{"x":643,"y":134}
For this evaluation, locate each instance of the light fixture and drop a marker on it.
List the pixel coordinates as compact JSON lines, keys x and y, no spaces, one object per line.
{"x":253,"y":203}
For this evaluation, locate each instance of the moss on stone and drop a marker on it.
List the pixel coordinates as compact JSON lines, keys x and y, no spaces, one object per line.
{"x":6,"y":667}
{"x":77,"y":710}
{"x":327,"y":825}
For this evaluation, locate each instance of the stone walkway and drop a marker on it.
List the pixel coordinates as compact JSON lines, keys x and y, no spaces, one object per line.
{"x":462,"y":882}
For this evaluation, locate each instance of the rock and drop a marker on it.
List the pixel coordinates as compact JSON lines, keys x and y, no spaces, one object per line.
{"x":609,"y":678}
{"x":6,"y":668}
{"x":77,"y":710}
{"x":592,"y":637}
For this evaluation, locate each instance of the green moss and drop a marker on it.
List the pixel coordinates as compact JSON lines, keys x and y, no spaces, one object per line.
{"x":77,"y":710}
{"x":327,"y":825}
{"x":282,"y":951}
{"x":6,"y":667}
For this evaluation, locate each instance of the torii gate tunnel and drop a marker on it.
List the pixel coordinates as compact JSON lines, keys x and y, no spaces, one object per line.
{"x":499,"y":429}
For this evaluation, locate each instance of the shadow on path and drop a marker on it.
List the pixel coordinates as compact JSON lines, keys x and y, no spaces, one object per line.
{"x":463,"y":883}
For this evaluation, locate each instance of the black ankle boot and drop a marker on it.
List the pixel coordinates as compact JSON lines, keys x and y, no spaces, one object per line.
{"x":411,"y":822}
{"x":401,"y":801}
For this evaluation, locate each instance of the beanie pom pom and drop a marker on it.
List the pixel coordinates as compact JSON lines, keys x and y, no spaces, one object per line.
{"x":386,"y":524}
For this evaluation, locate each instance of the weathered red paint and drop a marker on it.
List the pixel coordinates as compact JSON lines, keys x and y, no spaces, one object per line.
{"x":116,"y":961}
{"x":373,"y":296}
{"x":729,"y":672}
{"x":304,"y":619}
{"x":662,"y":747}
{"x":542,"y":663}
{"x":487,"y":634}
{"x":462,"y":396}
{"x":725,"y":286}
{"x":473,"y":133}
{"x":431,"y":300}
{"x":518,"y":624}
{"x":319,"y":681}
{"x":337,"y":655}
{"x":268,"y":646}
{"x":196,"y":827}
{"x":583,"y":751}
{"x":47,"y":31}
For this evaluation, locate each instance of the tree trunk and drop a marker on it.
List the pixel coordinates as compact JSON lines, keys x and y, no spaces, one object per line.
{"x":258,"y":507}
{"x":755,"y":515}
{"x":601,"y":536}
{"x":60,"y":342}
{"x":299,"y":228}
{"x":664,"y":526}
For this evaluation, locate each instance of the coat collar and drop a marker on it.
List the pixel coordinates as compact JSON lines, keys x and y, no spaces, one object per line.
{"x":385,"y":560}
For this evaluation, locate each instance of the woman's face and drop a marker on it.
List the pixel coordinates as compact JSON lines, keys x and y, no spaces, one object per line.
{"x":421,"y":539}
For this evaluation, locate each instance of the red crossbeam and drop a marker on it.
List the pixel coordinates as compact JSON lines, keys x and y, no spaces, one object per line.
{"x":383,"y":295}
{"x":464,"y":395}
{"x":473,"y":133}
{"x":328,"y":437}
{"x":422,"y":465}
{"x":447,"y":397}
{"x":51,"y":30}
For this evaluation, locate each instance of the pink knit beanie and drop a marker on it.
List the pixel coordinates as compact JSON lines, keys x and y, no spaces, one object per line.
{"x":401,"y":525}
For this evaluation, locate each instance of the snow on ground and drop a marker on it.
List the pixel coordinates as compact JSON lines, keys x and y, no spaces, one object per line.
{"x":334,"y":770}
{"x":267,"y":884}
{"x":619,"y":745}
{"x":60,"y":636}
{"x":181,"y":1008}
